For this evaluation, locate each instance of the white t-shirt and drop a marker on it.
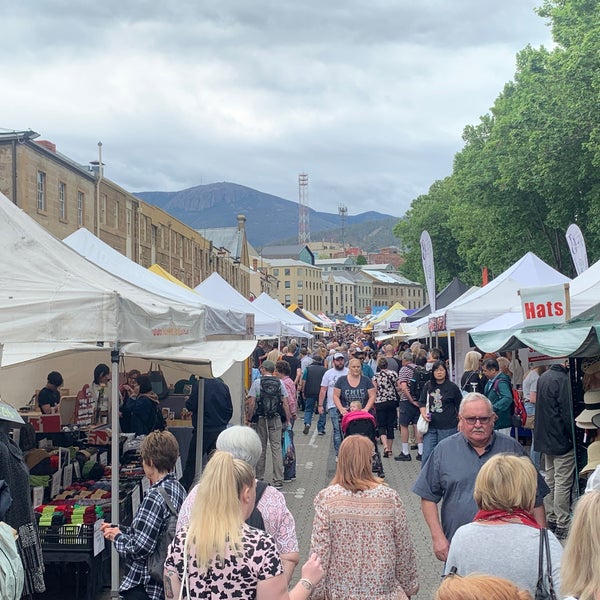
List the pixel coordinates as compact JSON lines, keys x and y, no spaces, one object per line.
{"x":328,"y":381}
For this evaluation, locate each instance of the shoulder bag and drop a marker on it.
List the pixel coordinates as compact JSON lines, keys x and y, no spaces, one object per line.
{"x":544,"y":590}
{"x":422,"y":423}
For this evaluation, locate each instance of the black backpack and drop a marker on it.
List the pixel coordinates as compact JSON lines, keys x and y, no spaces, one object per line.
{"x":420,"y":378}
{"x":256,"y":519}
{"x":270,"y":402}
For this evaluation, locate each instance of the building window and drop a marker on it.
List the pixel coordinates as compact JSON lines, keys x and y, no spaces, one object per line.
{"x":276,"y":272}
{"x":116,"y":214}
{"x":300,"y":272}
{"x":288,"y":299}
{"x":128,"y":222}
{"x":80,"y":203}
{"x":300,"y":283}
{"x":41,"y":190}
{"x":286,"y":272}
{"x":62,"y":200}
{"x":103,"y":209}
{"x":287,"y":284}
{"x":300,"y":300}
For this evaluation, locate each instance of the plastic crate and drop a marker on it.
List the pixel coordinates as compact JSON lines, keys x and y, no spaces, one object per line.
{"x":67,"y":537}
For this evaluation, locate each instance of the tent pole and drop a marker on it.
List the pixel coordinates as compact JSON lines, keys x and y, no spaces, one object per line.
{"x":199,"y":429}
{"x":114,"y":465}
{"x":450,"y":369}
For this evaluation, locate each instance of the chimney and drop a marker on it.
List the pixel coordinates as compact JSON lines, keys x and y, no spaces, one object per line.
{"x":48,"y":145}
{"x":241,"y":219}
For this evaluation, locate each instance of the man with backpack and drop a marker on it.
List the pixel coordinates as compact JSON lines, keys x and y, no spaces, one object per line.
{"x":310,"y":385}
{"x":412,"y":380}
{"x":267,"y":406}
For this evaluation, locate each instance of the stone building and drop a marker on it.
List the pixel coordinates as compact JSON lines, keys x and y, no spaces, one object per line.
{"x":63,"y":195}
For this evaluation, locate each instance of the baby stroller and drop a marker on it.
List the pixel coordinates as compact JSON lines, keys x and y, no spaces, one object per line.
{"x":360,"y":422}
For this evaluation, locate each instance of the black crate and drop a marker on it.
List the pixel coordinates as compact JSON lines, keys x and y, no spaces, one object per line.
{"x":67,"y":537}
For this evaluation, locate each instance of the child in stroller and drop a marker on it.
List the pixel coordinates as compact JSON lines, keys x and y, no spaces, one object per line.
{"x":360,"y":422}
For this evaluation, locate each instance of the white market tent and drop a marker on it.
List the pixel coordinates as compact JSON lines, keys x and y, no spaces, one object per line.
{"x":52,"y":298}
{"x":394,"y":314}
{"x":217,"y":290}
{"x":219,"y":319}
{"x":275,"y":309}
{"x":495,"y":299}
{"x":584,"y":292}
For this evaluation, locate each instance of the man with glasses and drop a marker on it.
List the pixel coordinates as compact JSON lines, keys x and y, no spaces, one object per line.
{"x":450,"y":472}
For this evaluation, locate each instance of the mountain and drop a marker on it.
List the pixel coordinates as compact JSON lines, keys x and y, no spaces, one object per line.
{"x":218,"y":204}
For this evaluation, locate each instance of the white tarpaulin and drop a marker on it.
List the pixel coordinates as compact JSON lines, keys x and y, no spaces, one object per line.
{"x":500,"y":295}
{"x":219,"y":319}
{"x":216,"y":289}
{"x":273,"y":307}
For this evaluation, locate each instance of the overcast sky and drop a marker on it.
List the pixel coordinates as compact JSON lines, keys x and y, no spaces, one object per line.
{"x":368,"y":97}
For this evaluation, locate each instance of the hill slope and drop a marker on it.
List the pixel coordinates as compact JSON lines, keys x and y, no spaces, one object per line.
{"x":268,"y":218}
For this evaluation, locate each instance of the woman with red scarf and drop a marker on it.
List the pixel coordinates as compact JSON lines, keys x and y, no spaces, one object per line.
{"x":503,"y":539}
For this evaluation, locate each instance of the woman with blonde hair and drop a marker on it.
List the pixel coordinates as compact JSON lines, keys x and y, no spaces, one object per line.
{"x":580,"y":573}
{"x":218,"y":553}
{"x":472,"y":379}
{"x":358,"y":510}
{"x":505,"y":491}
{"x":475,"y":587}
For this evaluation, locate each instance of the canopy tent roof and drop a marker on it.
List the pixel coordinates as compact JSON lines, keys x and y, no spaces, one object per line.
{"x":384,"y":320}
{"x":158,"y":270}
{"x":219,"y":319}
{"x":500,"y":294}
{"x":578,"y":337}
{"x":216,"y":289}
{"x":302,"y":312}
{"x":451,"y":292}
{"x":351,"y":319}
{"x":275,"y":309}
{"x":49,"y":293}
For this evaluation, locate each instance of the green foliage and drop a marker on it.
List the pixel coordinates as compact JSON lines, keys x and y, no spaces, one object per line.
{"x":361,"y":260}
{"x":528,"y":169}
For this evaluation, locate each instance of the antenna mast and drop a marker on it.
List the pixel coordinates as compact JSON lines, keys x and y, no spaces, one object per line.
{"x":303,"y":226}
{"x":343,"y":213}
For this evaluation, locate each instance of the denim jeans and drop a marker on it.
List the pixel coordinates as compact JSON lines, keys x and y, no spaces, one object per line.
{"x":309,"y":409}
{"x":334,"y":417}
{"x":432,"y":438}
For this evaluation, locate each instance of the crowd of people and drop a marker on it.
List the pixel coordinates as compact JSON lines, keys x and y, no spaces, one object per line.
{"x":490,"y":505}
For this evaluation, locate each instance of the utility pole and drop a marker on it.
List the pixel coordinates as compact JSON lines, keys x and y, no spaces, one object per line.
{"x":343,"y":213}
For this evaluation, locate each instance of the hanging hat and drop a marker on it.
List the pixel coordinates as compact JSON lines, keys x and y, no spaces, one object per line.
{"x":591,"y":400}
{"x":9,"y":413}
{"x":593,"y":457}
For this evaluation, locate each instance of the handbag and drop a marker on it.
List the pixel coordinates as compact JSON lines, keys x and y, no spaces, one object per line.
{"x":159,"y":383}
{"x":544,"y":590}
{"x":422,"y":423}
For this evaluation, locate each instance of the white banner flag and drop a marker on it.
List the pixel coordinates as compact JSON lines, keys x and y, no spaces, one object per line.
{"x":428,"y":267}
{"x":577,"y":247}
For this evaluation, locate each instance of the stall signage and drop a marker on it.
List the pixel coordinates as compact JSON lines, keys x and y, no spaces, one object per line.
{"x":98,"y":538}
{"x":38,"y":496}
{"x":436,"y":324}
{"x":67,"y":476}
{"x":55,"y":486}
{"x":545,"y":305}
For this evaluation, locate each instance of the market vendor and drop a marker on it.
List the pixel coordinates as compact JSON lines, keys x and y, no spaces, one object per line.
{"x":49,"y":396}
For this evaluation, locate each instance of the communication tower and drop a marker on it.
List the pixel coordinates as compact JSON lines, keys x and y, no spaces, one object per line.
{"x":343,"y":213}
{"x":303,"y":226}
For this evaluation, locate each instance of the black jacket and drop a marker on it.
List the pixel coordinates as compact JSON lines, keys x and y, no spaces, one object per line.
{"x":553,"y":433}
{"x":218,"y":408}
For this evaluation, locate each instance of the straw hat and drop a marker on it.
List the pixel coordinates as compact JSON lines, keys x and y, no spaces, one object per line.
{"x":593,"y":455}
{"x":591,"y":400}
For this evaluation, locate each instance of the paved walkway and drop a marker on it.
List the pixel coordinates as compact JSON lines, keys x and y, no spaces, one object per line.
{"x":315,"y":468}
